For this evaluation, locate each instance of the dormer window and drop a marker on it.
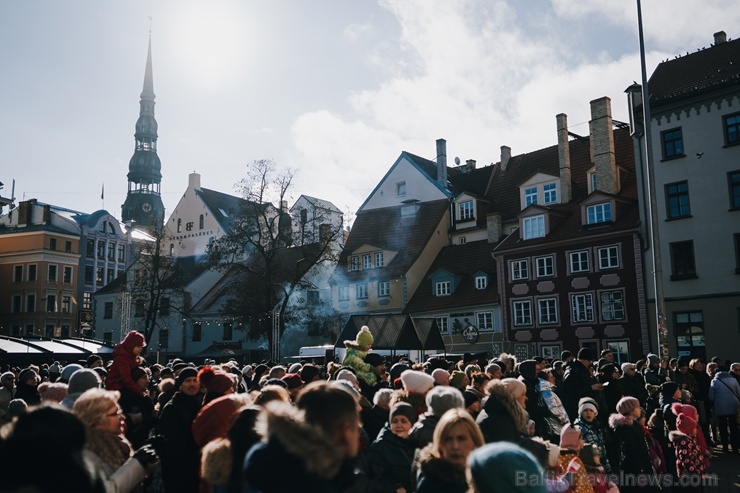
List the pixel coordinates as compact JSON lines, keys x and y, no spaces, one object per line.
{"x":530,"y":196}
{"x":354,"y":263}
{"x":443,"y":288}
{"x":378,"y":259}
{"x":481,"y":282}
{"x":533,"y":227}
{"x":550,"y":191}
{"x":466,"y":210}
{"x":599,"y":213}
{"x":367,"y":261}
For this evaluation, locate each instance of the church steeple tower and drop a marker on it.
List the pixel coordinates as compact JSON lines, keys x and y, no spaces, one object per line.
{"x":143,"y":205}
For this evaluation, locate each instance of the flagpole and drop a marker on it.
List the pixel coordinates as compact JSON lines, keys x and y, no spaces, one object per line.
{"x":102,"y":195}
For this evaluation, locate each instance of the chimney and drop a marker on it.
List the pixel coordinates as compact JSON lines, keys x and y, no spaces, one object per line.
{"x":566,"y":182}
{"x":505,"y":156}
{"x":46,"y":218}
{"x":602,"y":145}
{"x":720,"y":37}
{"x":469,"y":165}
{"x":194,"y":181}
{"x":442,"y":162}
{"x":493,"y":227}
{"x":24,"y":213}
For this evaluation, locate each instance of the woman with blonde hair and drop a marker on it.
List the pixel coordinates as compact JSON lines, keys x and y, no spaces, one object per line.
{"x":441,"y":464}
{"x":106,"y":447}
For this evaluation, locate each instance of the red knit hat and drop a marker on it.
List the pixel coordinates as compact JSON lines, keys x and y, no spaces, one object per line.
{"x":132,"y":340}
{"x":214,"y":419}
{"x":685,"y":424}
{"x":293,"y":380}
{"x":686,"y":409}
{"x":214,"y":382}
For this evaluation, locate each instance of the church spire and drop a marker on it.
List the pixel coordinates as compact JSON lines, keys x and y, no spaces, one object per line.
{"x":143,"y":205}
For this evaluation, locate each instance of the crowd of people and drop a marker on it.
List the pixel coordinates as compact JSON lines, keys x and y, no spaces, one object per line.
{"x":583,"y":423}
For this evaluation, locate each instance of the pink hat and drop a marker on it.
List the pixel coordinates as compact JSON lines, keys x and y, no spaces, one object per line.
{"x":441,"y":377}
{"x":685,"y":424}
{"x":686,"y":409}
{"x":570,"y":437}
{"x":626,"y":405}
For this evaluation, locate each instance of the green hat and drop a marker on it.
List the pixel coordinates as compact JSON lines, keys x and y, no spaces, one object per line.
{"x":364,"y":337}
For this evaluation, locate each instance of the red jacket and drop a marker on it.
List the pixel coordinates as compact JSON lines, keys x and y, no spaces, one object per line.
{"x":124,"y":362}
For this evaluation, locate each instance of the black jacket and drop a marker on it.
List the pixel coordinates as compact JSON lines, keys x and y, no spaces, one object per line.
{"x":390,"y":459}
{"x":438,"y":476}
{"x":179,"y":453}
{"x":577,"y":383}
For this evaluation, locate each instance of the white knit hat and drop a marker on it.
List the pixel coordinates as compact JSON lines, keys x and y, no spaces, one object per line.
{"x":417,"y":382}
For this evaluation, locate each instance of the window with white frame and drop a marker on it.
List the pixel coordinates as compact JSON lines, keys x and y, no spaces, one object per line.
{"x":354,"y":263}
{"x":361,"y":291}
{"x":534,"y":227}
{"x":545,"y":266}
{"x":401,"y":189}
{"x":367,"y":261}
{"x":579,"y":261}
{"x":592,"y":181}
{"x":378,"y":259}
{"x":522,"y":313}
{"x":343,"y":293}
{"x":442,"y":288}
{"x":51,"y":303}
{"x":462,"y":240}
{"x":384,"y":288}
{"x":444,"y":324}
{"x":612,"y":305}
{"x":547,"y":310}
{"x":583,"y":307}
{"x":530,"y":196}
{"x":485,"y":320}
{"x":465,"y":210}
{"x":519,"y":270}
{"x":609,"y":257}
{"x":599,"y":213}
{"x":550,"y":192}
{"x":481,"y":282}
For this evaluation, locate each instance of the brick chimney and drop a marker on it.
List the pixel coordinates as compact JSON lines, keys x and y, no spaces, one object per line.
{"x":493,"y":227}
{"x":469,"y":165}
{"x":505,"y":157}
{"x":442,"y":162}
{"x":720,"y":37}
{"x":566,"y":183}
{"x":602,"y":145}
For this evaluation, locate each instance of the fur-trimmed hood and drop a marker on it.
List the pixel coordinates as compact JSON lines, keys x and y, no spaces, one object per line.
{"x":617,"y":420}
{"x":112,"y":449}
{"x":293,"y":450}
{"x":438,"y":469}
{"x":501,"y":397}
{"x":216,"y":461}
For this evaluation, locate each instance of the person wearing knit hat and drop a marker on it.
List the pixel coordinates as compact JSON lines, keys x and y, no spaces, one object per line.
{"x":690,"y":411}
{"x":295,"y":384}
{"x":586,"y":354}
{"x":499,"y":467}
{"x":397,"y":369}
{"x":52,"y":392}
{"x":571,"y":443}
{"x":375,"y":360}
{"x":295,"y":368}
{"x":356,"y":352}
{"x":653,"y":373}
{"x":441,"y":377}
{"x":472,"y":403}
{"x":81,"y":381}
{"x":494,"y":370}
{"x":592,"y":429}
{"x":459,"y":380}
{"x":571,"y":438}
{"x":627,"y":406}
{"x":417,"y":382}
{"x":27,"y":387}
{"x":185,"y":374}
{"x":217,"y":383}
{"x":690,"y":459}
{"x":126,"y":357}
{"x":213,"y":420}
{"x":67,"y":372}
{"x":438,"y":400}
{"x":391,"y":454}
{"x":310,"y":373}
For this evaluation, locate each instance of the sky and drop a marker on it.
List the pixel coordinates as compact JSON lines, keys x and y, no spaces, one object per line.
{"x":333,"y":89}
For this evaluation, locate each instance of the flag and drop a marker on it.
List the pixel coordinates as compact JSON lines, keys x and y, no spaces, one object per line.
{"x":102,"y":192}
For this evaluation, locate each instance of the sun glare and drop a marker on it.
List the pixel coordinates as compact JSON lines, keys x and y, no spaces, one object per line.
{"x":212,"y":40}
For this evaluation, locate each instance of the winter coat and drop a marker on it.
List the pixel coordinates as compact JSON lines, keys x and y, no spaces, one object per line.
{"x":612,"y":393}
{"x":724,"y":392}
{"x":437,"y":475}
{"x":654,"y":376}
{"x":374,"y":420}
{"x":390,"y":459}
{"x":422,"y":433}
{"x":29,"y":393}
{"x":577,"y":383}
{"x":657,"y":458}
{"x":634,"y":454}
{"x":179,"y":453}
{"x":634,"y":386}
{"x":689,"y":459}
{"x":593,"y":433}
{"x":686,"y":379}
{"x":581,"y":482}
{"x":355,"y":359}
{"x":295,"y":457}
{"x":119,"y":373}
{"x":502,"y":419}
{"x":110,"y":456}
{"x":139,"y":412}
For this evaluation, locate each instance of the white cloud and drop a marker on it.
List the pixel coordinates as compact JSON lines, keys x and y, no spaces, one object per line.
{"x":353,"y":32}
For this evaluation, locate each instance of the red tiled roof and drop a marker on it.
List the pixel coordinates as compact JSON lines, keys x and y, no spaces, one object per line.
{"x":708,"y":69}
{"x":464,"y":261}
{"x":383,"y":228}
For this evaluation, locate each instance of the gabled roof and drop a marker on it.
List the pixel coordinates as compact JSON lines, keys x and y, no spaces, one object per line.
{"x":319,"y":204}
{"x":395,"y":331}
{"x":465,"y":261}
{"x":705,"y":70}
{"x":224,"y":207}
{"x":383,"y":227}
